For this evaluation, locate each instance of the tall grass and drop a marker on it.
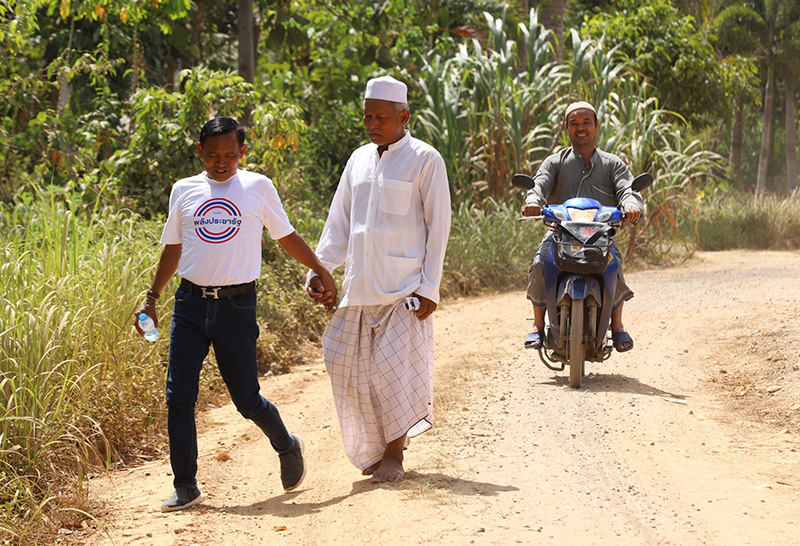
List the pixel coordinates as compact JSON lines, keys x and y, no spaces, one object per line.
{"x":493,"y":112}
{"x":80,"y":390}
{"x":73,"y":380}
{"x":489,"y":249}
{"x":734,"y":220}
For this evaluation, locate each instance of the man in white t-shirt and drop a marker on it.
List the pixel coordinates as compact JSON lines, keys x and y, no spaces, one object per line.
{"x":212,"y":238}
{"x":388,"y":224}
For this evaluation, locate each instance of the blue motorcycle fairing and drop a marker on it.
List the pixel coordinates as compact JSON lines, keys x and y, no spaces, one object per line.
{"x":556,"y":283}
{"x":610,"y":290}
{"x":558,"y":213}
{"x":582,"y":203}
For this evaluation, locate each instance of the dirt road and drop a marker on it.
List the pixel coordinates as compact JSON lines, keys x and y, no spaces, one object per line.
{"x":691,"y":438}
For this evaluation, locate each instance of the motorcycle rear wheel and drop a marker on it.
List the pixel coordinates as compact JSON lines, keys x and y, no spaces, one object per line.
{"x":576,"y":345}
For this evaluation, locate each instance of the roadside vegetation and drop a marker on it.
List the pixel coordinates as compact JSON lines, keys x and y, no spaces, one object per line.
{"x":91,"y":144}
{"x":82,"y":392}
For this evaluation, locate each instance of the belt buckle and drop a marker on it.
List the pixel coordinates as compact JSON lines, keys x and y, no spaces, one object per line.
{"x":206,"y":292}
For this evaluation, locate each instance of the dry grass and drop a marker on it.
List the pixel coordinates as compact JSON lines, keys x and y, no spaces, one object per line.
{"x":734,"y":220}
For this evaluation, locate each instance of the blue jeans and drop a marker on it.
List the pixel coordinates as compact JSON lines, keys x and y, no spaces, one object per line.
{"x":230,"y":325}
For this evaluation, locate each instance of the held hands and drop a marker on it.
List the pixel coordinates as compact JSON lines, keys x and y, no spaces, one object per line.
{"x":322,"y":289}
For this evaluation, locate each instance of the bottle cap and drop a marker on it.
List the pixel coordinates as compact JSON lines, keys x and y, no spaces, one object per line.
{"x":142,"y":316}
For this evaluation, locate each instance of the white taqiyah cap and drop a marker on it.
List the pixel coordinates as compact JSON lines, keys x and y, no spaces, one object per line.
{"x":386,"y":88}
{"x":577,"y":106}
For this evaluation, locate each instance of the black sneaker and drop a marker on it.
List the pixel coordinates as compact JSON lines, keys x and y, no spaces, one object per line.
{"x":293,"y":465}
{"x":183,"y":498}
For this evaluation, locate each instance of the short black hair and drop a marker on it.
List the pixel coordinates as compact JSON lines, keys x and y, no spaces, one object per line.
{"x":220,"y":126}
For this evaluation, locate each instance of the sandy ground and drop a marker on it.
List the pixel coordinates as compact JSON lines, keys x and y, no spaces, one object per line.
{"x":691,"y":438}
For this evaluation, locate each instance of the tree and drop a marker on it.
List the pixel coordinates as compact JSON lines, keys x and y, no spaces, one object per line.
{"x":670,"y":50}
{"x":552,"y":18}
{"x":765,"y":27}
{"x":739,"y":74}
{"x":247,"y":46}
{"x":789,"y":55}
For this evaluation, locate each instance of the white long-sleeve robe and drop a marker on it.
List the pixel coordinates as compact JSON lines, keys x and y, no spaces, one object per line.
{"x":388,"y":224}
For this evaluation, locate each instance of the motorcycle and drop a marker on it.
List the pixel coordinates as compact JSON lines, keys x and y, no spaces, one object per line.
{"x":580,"y":276}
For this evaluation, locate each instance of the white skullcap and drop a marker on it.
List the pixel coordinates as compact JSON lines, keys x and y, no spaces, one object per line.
{"x":386,"y":88}
{"x":577,"y":106}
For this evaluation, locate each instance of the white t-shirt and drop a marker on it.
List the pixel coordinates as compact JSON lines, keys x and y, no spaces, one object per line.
{"x":219,"y":226}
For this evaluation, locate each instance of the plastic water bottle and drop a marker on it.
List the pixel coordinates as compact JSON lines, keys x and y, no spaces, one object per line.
{"x":147,"y":326}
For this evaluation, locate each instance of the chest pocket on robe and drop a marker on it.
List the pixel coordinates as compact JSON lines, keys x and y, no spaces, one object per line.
{"x":396,"y":196}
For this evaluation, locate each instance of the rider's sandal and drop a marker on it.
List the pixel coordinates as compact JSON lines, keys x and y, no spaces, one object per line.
{"x":619,"y":338}
{"x":533,"y":340}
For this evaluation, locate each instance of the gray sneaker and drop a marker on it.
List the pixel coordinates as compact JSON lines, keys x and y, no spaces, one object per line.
{"x":183,"y":498}
{"x":293,"y":465}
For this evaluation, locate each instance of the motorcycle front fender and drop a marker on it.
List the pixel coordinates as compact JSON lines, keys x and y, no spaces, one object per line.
{"x":579,"y":287}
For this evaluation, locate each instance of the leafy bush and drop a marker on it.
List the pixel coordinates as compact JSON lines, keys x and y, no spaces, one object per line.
{"x":160,"y":136}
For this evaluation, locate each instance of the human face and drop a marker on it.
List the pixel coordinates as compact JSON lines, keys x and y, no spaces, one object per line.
{"x":582,"y":128}
{"x":220,"y":155}
{"x":384,"y":124}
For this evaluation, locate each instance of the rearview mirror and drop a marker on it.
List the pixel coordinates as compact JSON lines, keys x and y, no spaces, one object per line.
{"x":522,"y":181}
{"x":641,"y":182}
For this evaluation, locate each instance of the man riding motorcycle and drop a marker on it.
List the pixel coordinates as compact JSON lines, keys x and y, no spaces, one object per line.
{"x":582,"y":170}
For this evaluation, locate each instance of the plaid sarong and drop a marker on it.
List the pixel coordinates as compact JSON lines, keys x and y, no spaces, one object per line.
{"x":380,"y":361}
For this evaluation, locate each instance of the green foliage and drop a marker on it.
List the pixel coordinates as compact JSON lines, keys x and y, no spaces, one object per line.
{"x":766,"y":33}
{"x":486,"y":117}
{"x":669,"y":49}
{"x":330,"y":139}
{"x":740,"y":29}
{"x":18,"y":22}
{"x":275,"y":138}
{"x":681,"y":172}
{"x":489,"y":120}
{"x":319,"y":56}
{"x":164,"y":128}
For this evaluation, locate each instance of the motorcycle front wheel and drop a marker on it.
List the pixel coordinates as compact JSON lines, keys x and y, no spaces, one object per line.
{"x":576,"y":347}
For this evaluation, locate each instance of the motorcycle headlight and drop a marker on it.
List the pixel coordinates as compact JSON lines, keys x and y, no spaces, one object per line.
{"x":557,"y":212}
{"x":605,"y":215}
{"x":581,"y":215}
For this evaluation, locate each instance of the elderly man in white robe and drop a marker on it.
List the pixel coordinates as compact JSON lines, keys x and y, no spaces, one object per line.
{"x":388,"y":224}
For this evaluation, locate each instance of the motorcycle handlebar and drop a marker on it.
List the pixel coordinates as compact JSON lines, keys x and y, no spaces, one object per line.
{"x":541,"y":217}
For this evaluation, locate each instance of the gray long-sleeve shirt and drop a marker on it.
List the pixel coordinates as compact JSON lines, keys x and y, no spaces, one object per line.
{"x":563,"y":175}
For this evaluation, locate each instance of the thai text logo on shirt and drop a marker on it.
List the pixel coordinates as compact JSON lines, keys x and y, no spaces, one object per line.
{"x":217,"y":221}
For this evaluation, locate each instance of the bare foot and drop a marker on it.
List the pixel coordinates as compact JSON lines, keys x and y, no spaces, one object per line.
{"x":390,"y":470}
{"x":370,"y":470}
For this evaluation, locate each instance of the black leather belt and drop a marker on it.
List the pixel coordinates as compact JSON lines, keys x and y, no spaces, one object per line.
{"x":217,"y":292}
